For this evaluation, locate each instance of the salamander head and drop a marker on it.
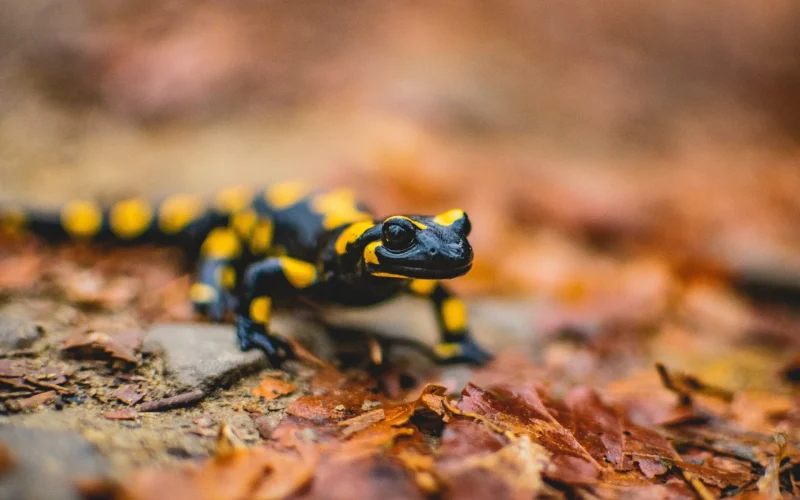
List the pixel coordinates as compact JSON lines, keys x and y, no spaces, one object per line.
{"x":421,"y":247}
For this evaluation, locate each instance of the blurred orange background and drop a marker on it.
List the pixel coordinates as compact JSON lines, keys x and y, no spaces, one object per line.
{"x":665,"y":128}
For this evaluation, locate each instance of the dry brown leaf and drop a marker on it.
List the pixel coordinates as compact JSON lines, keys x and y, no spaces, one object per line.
{"x":122,"y":414}
{"x":270,"y":388}
{"x":122,"y":346}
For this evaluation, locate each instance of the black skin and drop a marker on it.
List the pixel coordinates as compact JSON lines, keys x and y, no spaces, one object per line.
{"x":332,"y":267}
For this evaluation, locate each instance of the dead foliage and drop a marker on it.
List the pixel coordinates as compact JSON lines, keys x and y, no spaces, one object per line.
{"x":509,"y":440}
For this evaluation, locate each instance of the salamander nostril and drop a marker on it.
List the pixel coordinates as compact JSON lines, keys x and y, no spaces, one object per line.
{"x":433,"y":251}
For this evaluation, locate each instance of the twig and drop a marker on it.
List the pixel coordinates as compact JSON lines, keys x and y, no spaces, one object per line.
{"x":185,"y":399}
{"x":697,"y":485}
{"x":48,"y":385}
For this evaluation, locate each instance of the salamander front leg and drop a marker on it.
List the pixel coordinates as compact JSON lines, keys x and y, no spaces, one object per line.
{"x":265,"y":281}
{"x":457,"y":344}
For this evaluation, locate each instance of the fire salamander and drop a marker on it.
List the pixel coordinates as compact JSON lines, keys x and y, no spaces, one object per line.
{"x":289,"y":241}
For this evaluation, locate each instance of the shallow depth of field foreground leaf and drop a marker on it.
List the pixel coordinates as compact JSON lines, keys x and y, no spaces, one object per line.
{"x":514,"y":440}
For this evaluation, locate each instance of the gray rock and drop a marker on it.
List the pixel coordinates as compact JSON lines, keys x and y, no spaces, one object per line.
{"x":17,"y":331}
{"x":45,"y":464}
{"x":202,"y":356}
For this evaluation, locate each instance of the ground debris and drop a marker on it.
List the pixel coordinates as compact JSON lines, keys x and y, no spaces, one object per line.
{"x":30,"y":403}
{"x":122,"y":414}
{"x":511,"y":440}
{"x":121,"y":346}
{"x":270,"y":388}
{"x":127,"y":394}
{"x":184,"y":399}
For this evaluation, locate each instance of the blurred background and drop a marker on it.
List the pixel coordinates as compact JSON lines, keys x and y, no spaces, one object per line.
{"x":586,"y":140}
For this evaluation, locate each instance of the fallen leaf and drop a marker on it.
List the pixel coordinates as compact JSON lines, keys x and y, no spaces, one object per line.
{"x":361,"y":422}
{"x":31,"y":402}
{"x":122,"y":346}
{"x":127,"y":394}
{"x":270,"y":388}
{"x":122,"y":414}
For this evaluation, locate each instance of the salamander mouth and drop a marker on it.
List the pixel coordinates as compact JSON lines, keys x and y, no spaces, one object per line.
{"x":422,"y":272}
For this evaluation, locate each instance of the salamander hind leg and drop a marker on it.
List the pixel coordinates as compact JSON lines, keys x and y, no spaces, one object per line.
{"x":264,"y":282}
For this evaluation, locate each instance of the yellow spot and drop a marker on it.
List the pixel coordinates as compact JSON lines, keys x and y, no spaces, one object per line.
{"x":418,"y":225}
{"x":341,"y":218}
{"x":243,"y":222}
{"x":300,"y":274}
{"x":338,"y":208}
{"x":449,"y":217}
{"x":262,"y":237}
{"x":260,"y":309}
{"x":201,"y":293}
{"x":389,"y":275}
{"x":340,"y":199}
{"x":12,"y":221}
{"x":454,"y":314}
{"x":81,"y":219}
{"x":179,"y":211}
{"x":350,"y":235}
{"x":370,"y":257}
{"x":423,"y":287}
{"x":233,"y":199}
{"x":447,"y":350}
{"x":228,"y":277}
{"x":221,"y":243}
{"x":130,"y":218}
{"x":286,"y":194}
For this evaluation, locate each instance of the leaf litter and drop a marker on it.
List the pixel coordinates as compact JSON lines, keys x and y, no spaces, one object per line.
{"x":619,"y":401}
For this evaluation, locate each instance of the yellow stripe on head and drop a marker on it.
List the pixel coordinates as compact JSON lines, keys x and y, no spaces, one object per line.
{"x":233,"y":199}
{"x":260,"y":309}
{"x":389,"y":275}
{"x":179,"y":211}
{"x":454,"y":314}
{"x":370,"y":257}
{"x":82,"y":219}
{"x":130,"y":218}
{"x":350,"y":235}
{"x":300,"y":274}
{"x":418,"y":225}
{"x":286,"y":194}
{"x":449,"y":217}
{"x":221,"y":243}
{"x":261,"y":239}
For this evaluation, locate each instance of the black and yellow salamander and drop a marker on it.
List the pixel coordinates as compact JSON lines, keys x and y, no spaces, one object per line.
{"x":254,"y":248}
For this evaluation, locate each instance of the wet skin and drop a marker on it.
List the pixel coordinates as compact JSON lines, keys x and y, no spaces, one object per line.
{"x":255,"y":249}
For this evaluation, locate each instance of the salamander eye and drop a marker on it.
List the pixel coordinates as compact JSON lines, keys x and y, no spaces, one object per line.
{"x":398,"y":235}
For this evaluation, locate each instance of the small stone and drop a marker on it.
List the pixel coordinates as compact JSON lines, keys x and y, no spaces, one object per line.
{"x":370,"y":405}
{"x":202,"y":356}
{"x":308,"y":435}
{"x":266,"y":424}
{"x":339,"y":408}
{"x":17,"y":331}
{"x":47,"y":463}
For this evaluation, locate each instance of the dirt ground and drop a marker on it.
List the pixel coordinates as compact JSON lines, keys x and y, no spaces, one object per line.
{"x":634,"y":212}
